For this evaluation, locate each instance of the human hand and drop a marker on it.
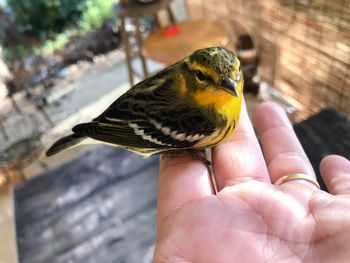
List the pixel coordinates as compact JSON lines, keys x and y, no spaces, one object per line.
{"x":250,"y":219}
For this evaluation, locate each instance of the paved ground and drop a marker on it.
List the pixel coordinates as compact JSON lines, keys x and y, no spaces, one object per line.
{"x":99,"y":207}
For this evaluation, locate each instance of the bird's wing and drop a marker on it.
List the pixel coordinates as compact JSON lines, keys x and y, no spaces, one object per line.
{"x":149,"y":118}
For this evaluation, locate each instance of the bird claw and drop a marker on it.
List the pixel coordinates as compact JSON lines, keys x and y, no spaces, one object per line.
{"x":199,"y":155}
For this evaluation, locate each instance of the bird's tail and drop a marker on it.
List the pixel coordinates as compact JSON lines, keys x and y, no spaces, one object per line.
{"x":65,"y":143}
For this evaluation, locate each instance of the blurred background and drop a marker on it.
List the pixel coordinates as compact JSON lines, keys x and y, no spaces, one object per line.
{"x":64,"y":61}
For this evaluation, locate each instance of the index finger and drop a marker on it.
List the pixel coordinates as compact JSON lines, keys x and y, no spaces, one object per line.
{"x":181,"y":180}
{"x":239,"y":159}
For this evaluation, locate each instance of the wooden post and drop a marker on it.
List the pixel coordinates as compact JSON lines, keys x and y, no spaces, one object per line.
{"x":126,"y":43}
{"x":140,"y":46}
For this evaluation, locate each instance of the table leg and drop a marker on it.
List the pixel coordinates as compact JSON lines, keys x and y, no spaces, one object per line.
{"x":158,"y":23}
{"x":125,"y":39}
{"x":171,"y":15}
{"x":140,"y":46}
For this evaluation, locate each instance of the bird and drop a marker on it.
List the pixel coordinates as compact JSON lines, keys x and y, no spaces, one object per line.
{"x":183,"y":109}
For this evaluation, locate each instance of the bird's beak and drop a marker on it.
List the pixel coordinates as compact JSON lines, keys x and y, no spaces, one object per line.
{"x":229,"y":85}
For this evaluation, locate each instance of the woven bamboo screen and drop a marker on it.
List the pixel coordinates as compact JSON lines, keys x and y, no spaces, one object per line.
{"x":304,"y":46}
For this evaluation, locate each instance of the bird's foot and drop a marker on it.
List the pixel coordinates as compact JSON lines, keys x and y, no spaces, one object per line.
{"x":199,"y":155}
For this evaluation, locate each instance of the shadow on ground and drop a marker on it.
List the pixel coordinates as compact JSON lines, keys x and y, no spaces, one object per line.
{"x":100,"y":207}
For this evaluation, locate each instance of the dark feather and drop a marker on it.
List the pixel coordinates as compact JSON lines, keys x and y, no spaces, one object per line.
{"x":65,"y":143}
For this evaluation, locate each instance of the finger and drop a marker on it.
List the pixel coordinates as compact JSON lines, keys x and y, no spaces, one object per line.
{"x":240,"y":158}
{"x":282,"y":150}
{"x":335,"y":171}
{"x":181,"y":180}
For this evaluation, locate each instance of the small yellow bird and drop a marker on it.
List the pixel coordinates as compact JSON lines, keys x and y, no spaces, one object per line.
{"x":189,"y":106}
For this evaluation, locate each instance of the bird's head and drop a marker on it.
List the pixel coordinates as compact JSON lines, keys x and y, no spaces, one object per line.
{"x":213,"y":76}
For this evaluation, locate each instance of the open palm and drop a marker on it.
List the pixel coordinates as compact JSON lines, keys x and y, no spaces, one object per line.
{"x":250,"y":219}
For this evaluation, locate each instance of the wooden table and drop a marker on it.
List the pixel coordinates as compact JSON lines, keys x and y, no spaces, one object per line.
{"x":193,"y":35}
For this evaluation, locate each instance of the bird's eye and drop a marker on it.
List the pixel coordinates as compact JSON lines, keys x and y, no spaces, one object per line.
{"x":200,"y":76}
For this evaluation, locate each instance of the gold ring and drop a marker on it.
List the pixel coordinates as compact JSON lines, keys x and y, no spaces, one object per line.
{"x":297,"y":176}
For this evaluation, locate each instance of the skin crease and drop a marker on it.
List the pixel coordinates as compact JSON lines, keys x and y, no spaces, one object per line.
{"x":250,"y":219}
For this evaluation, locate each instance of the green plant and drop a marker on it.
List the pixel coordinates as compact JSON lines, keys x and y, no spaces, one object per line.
{"x":44,"y":18}
{"x":95,"y":14}
{"x":15,"y":53}
{"x":50,"y":45}
{"x":53,"y":22}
